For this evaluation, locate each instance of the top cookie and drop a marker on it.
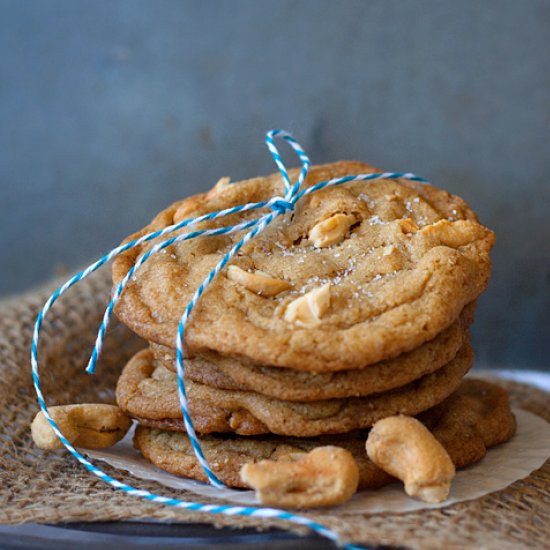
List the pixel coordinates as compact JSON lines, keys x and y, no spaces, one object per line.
{"x":386,"y":265}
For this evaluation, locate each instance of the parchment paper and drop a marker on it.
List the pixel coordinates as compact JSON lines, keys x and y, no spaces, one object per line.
{"x":504,"y":464}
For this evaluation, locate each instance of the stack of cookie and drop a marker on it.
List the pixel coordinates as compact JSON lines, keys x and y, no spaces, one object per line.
{"x":352,"y":308}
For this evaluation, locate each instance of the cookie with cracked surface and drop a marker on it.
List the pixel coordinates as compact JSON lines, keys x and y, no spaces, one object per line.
{"x":356,"y":274}
{"x":222,"y":372}
{"x":150,"y":395}
{"x":473,"y":419}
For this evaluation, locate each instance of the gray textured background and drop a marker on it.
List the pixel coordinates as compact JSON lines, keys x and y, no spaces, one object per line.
{"x":111,"y":110}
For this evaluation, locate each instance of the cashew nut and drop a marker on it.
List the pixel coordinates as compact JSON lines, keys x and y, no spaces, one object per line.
{"x":260,"y":282}
{"x":93,"y":426}
{"x":408,"y":226}
{"x":326,"y":476}
{"x":221,"y":184}
{"x":307,"y":310}
{"x":331,"y":231}
{"x":403,"y":447}
{"x":453,"y":234}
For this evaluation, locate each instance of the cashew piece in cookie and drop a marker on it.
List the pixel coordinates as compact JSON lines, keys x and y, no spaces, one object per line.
{"x":307,"y":310}
{"x":92,"y":426}
{"x":331,"y":231}
{"x":222,"y":183}
{"x":259,"y":282}
{"x":326,"y":476}
{"x":403,"y":447}
{"x":408,"y":226}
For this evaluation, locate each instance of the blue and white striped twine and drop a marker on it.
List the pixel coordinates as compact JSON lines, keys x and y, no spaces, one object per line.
{"x":277,"y":206}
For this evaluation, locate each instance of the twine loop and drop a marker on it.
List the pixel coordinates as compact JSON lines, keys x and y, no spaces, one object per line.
{"x":277,"y":206}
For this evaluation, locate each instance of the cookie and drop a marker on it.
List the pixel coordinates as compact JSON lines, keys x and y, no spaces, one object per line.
{"x":482,"y":412}
{"x":149,"y":395}
{"x":473,"y":419}
{"x":222,"y":372}
{"x":391,"y":264}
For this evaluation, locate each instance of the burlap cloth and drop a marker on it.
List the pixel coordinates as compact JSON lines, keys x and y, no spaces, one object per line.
{"x":52,"y":487}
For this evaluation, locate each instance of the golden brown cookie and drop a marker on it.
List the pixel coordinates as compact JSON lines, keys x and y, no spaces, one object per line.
{"x":410,"y":258}
{"x":222,"y":372}
{"x":482,"y":411}
{"x":467,"y":423}
{"x":149,"y":395}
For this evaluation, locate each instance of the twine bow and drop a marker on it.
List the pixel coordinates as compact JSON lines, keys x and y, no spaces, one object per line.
{"x":277,"y":206}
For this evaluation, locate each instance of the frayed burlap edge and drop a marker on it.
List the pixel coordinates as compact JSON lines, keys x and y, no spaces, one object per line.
{"x":52,"y":487}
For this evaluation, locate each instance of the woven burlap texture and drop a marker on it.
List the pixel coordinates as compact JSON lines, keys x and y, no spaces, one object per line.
{"x":52,"y":487}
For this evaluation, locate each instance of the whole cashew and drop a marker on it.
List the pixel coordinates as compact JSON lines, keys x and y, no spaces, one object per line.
{"x":326,"y":476}
{"x":93,"y":426}
{"x":403,"y":447}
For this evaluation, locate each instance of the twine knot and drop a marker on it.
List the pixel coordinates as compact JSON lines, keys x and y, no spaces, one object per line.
{"x":280,"y":205}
